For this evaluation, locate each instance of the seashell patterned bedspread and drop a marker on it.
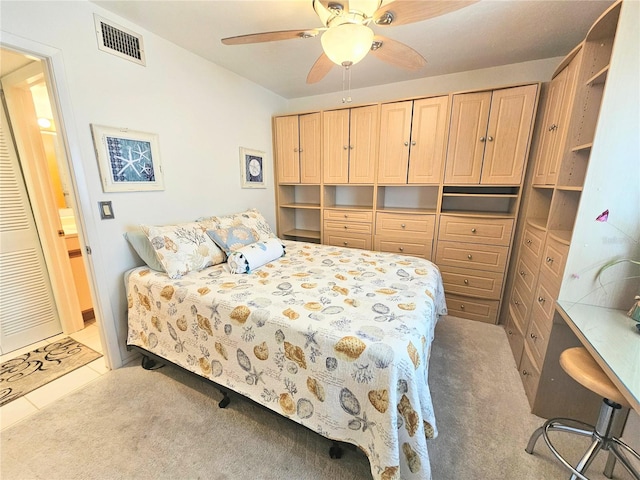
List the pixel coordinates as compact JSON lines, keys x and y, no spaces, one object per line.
{"x":336,"y":339}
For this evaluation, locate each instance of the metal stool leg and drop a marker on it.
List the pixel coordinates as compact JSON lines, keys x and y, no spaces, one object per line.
{"x":615,"y":447}
{"x":588,"y":457}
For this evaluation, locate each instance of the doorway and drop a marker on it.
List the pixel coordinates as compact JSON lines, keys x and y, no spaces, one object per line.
{"x":43,"y":164}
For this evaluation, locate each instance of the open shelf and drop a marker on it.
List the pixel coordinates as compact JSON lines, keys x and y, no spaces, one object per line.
{"x":299,"y":224}
{"x":579,"y":148}
{"x":537,"y":222}
{"x":599,"y":78}
{"x":411,"y":198}
{"x":480,"y":200}
{"x":303,"y":235}
{"x":348,"y":196}
{"x":574,"y":168}
{"x":564,"y":208}
{"x":299,"y":196}
{"x":300,"y":205}
{"x":562,"y":236}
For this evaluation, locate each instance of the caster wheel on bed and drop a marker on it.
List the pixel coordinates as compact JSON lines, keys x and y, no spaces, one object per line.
{"x":148,"y":363}
{"x":225,"y":401}
{"x":335,"y":451}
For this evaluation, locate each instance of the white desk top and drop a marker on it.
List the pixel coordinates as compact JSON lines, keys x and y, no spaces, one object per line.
{"x":613,"y":340}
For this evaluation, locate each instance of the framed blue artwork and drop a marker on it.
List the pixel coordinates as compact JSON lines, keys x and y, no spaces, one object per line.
{"x":252,"y":167}
{"x":129,"y":161}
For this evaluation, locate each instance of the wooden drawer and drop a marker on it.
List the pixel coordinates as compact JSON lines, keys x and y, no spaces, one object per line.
{"x":351,"y":240}
{"x":516,"y":339}
{"x":537,"y":338}
{"x":554,"y":260}
{"x":532,"y":239}
{"x":349,"y":215}
{"x":494,"y":231}
{"x":519,"y":307}
{"x":491,"y":258}
{"x":529,"y":374}
{"x":526,"y":275}
{"x":400,"y":223}
{"x":472,"y":308}
{"x":543,"y":304}
{"x":475,"y":283}
{"x":348,"y":227}
{"x":410,"y":245}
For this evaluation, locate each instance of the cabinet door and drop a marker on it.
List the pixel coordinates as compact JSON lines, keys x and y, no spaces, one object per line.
{"x":549,"y":128}
{"x":395,"y":130}
{"x":508,"y":135}
{"x":310,"y":147}
{"x":467,"y":136}
{"x":562,"y":119}
{"x":335,"y":145}
{"x":428,"y":140}
{"x":287,"y":156}
{"x":363,"y":144}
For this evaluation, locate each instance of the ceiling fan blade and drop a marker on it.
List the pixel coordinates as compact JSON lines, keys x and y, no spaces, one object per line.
{"x":271,"y":36}
{"x":322,"y":66}
{"x":401,"y":12}
{"x":397,"y":53}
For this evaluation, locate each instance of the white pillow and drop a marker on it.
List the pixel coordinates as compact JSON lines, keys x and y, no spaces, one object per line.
{"x":183,"y":247}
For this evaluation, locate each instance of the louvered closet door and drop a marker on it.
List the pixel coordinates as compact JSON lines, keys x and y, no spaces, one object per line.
{"x":27,"y":309}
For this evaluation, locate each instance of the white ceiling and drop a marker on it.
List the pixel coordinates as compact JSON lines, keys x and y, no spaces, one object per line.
{"x":486,"y":34}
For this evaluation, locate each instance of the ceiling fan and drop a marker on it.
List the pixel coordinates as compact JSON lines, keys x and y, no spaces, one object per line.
{"x":347,"y":37}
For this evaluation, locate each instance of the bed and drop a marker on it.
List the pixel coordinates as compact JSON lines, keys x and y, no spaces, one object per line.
{"x":336,"y":339}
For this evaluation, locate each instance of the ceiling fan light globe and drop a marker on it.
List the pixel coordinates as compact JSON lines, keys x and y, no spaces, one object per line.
{"x":347,"y":43}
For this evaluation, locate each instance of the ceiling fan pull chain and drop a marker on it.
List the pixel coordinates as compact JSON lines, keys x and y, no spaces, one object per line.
{"x":346,"y":72}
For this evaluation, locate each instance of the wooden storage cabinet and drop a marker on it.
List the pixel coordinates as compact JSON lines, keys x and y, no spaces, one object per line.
{"x":348,"y":228}
{"x":489,"y":136}
{"x":297,"y":148}
{"x":413,"y":141}
{"x":350,"y":143}
{"x":563,"y":147}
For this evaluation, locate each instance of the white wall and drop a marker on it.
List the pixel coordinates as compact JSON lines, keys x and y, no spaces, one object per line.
{"x":201,"y":113}
{"x":612,"y":182}
{"x":533,"y":71}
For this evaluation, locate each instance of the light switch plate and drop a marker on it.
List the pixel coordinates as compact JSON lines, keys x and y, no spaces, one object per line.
{"x":106,"y":211}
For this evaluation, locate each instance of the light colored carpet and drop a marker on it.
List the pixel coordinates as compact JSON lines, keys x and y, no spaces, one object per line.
{"x":164,"y":424}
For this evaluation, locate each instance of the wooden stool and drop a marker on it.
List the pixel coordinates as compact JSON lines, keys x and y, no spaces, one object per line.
{"x":581,"y":366}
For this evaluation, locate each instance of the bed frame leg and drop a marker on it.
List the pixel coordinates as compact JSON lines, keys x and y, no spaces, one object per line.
{"x":150,"y":364}
{"x":335,"y":451}
{"x":225,"y":400}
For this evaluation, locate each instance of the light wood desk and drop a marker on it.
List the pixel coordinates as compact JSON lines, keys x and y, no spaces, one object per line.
{"x":613,"y":340}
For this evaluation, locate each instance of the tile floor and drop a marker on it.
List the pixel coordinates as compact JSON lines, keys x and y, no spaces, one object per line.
{"x":30,"y":403}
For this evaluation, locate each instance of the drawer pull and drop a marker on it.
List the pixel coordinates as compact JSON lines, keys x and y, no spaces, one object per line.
{"x":401,"y":249}
{"x":523,"y":273}
{"x":346,"y":216}
{"x":549,"y":260}
{"x":466,"y":282}
{"x":528,"y":242}
{"x":516,"y":302}
{"x":345,"y":227}
{"x":469,"y":256}
{"x":541,"y":299}
{"x":462,"y":306}
{"x":346,"y":243}
{"x":509,"y":332}
{"x":525,"y":373}
{"x":534,"y":337}
{"x":473,"y":230}
{"x":403,"y":225}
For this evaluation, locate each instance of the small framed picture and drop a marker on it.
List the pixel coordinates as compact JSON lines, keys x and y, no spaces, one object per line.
{"x":252,"y":173}
{"x":129,"y":161}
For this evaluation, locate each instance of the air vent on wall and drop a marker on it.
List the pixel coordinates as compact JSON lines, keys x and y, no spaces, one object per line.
{"x":119,"y":41}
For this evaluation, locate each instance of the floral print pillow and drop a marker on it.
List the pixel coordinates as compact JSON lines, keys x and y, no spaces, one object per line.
{"x":183,"y":248}
{"x":251,"y":218}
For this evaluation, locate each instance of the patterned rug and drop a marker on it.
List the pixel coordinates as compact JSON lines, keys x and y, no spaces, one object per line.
{"x":25,"y":373}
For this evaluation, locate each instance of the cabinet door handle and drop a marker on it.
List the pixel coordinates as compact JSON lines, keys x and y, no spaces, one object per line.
{"x":406,"y":144}
{"x":413,"y":143}
{"x":295,"y":149}
{"x":350,"y":147}
{"x":345,"y":147}
{"x":541,"y":299}
{"x":469,"y":256}
{"x":490,"y":138}
{"x":300,"y":150}
{"x":473,"y":230}
{"x":482,"y":139}
{"x":549,"y":260}
{"x":553,"y":127}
